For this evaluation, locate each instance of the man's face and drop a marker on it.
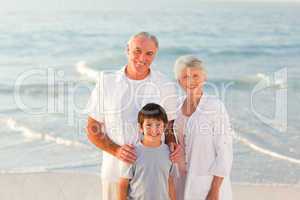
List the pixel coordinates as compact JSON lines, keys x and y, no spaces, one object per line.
{"x":141,"y":53}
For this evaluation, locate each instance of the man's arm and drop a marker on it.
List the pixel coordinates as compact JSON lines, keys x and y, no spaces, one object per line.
{"x":96,"y":134}
{"x":123,"y":188}
{"x":172,"y":191}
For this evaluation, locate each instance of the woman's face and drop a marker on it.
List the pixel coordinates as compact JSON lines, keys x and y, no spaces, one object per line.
{"x":192,"y":79}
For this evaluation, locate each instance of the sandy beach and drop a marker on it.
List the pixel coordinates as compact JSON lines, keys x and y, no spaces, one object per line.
{"x":50,"y":59}
{"x":79,"y":186}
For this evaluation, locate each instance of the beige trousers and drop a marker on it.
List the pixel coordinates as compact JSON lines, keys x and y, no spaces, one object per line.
{"x":109,"y":190}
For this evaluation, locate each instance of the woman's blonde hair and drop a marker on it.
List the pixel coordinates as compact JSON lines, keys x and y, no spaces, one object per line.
{"x":187,"y":61}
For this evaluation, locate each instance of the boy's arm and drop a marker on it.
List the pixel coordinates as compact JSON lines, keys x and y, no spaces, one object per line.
{"x":172,"y":192}
{"x":123,"y":188}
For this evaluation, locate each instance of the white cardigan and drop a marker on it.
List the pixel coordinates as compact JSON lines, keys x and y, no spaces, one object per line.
{"x":208,"y":147}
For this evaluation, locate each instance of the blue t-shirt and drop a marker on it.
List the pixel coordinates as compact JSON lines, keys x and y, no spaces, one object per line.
{"x":149,"y":174}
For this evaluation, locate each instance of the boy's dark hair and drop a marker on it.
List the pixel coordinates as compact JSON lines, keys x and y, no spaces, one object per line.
{"x":153,"y":111}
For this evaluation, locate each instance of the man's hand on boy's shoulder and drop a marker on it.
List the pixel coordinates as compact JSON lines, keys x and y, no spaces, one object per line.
{"x":126,"y":153}
{"x":176,"y":152}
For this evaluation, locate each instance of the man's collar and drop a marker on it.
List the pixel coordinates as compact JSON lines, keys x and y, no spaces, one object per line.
{"x":123,"y":73}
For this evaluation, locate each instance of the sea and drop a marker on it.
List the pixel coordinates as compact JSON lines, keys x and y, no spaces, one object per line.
{"x":49,"y":62}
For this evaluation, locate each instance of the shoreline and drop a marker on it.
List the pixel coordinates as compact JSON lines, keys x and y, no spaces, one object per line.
{"x":87,"y":186}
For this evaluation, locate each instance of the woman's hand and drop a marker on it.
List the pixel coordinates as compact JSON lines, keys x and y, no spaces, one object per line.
{"x":176,"y":152}
{"x":213,"y":194}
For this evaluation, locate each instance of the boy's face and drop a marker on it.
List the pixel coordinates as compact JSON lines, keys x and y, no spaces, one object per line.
{"x":152,"y":128}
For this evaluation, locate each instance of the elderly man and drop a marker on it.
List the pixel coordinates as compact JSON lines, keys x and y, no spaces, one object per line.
{"x":114,"y":105}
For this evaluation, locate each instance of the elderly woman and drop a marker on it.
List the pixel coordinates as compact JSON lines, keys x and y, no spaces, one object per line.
{"x":203,"y":129}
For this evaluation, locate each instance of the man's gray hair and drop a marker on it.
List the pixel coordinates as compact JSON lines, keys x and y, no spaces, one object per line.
{"x":146,"y":35}
{"x":187,"y":61}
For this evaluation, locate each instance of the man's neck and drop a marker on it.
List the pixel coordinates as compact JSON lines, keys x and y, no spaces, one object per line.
{"x":134,"y":75}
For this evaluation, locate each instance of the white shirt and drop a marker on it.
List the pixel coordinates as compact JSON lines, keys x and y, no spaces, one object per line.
{"x":208,"y":140}
{"x":116,"y":101}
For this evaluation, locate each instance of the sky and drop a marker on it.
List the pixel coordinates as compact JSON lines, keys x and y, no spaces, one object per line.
{"x":11,"y":5}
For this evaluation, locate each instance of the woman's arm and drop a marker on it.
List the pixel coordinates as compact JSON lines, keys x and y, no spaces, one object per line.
{"x":172,"y":192}
{"x":214,"y":192}
{"x":123,"y":188}
{"x":222,"y":141}
{"x":170,"y":140}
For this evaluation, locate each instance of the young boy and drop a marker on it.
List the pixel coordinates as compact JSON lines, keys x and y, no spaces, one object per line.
{"x":149,"y":178}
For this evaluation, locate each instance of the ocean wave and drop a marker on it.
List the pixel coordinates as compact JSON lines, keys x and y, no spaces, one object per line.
{"x":10,"y":110}
{"x":42,"y":89}
{"x":90,"y":74}
{"x":268,"y":184}
{"x":238,"y":51}
{"x":6,"y":89}
{"x":252,"y":80}
{"x":48,"y":168}
{"x":32,"y":135}
{"x":256,"y":50}
{"x":83,"y":69}
{"x":28,"y":89}
{"x":265,"y":151}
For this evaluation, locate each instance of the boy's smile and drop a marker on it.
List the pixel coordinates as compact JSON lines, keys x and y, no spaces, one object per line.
{"x":153,"y":129}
